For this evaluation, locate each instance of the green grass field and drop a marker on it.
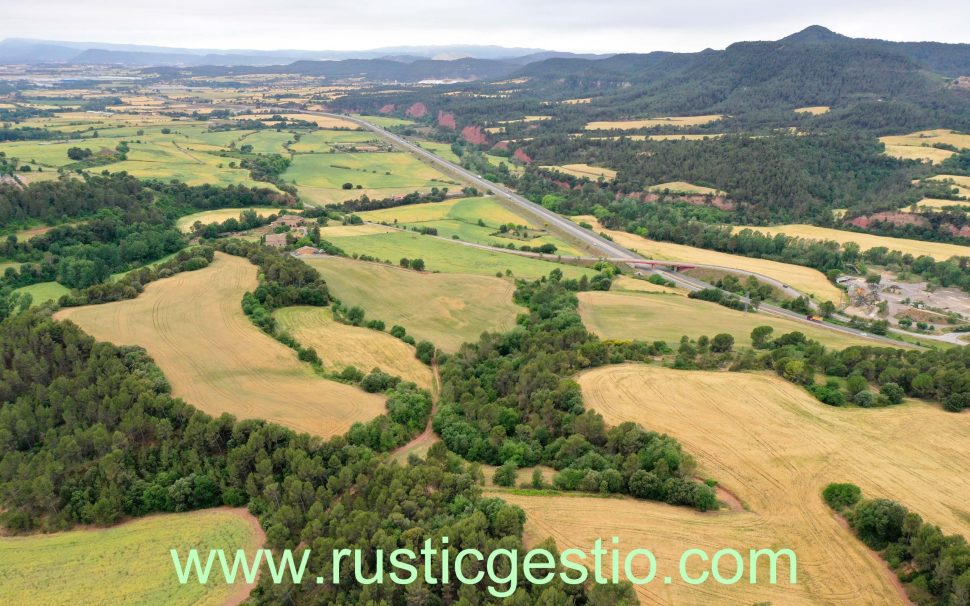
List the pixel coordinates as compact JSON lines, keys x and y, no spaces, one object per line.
{"x":188,"y":152}
{"x":44,"y":291}
{"x":460,"y":217}
{"x":125,"y":564}
{"x":386,"y":121}
{"x":446,"y":309}
{"x":321,"y":141}
{"x":268,"y":141}
{"x":440,"y":149}
{"x":320,"y":177}
{"x":184,"y":153}
{"x":49,"y":154}
{"x":181,"y":161}
{"x":448,"y":257}
{"x":667,"y":317}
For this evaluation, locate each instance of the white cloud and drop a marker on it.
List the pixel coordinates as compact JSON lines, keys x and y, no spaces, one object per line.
{"x":581,"y":25}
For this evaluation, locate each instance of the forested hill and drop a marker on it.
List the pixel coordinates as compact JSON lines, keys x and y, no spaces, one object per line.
{"x":813,"y":67}
{"x":877,"y":86}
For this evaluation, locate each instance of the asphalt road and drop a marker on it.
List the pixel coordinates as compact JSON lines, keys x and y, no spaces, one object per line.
{"x":597,"y":243}
{"x":601,"y":246}
{"x":608,"y":250}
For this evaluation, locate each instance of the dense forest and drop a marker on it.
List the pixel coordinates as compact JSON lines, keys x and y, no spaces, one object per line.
{"x":510,"y":400}
{"x":89,"y":434}
{"x":107,"y":225}
{"x":813,"y":174}
{"x":872,"y":85}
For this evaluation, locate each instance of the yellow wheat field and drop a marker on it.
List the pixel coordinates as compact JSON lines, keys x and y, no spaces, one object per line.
{"x":815,"y":110}
{"x":628,"y":284}
{"x":678,"y":137}
{"x":936,"y":204}
{"x":224,"y":214}
{"x":918,"y":145}
{"x":321,"y":121}
{"x":193,"y":325}
{"x":340,"y":345}
{"x":683,"y":187}
{"x":929,"y":137}
{"x":584,"y":170}
{"x":962,"y":183}
{"x":804,"y":279}
{"x":652,"y":317}
{"x":775,"y":447}
{"x":678,"y":121}
{"x":915,"y":152}
{"x":938,"y":250}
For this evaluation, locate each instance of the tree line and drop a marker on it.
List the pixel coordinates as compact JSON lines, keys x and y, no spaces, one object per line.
{"x":936,"y":375}
{"x":934,"y":567}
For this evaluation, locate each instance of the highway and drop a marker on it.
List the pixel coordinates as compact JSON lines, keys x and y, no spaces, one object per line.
{"x":607,"y":249}
{"x":594,"y":241}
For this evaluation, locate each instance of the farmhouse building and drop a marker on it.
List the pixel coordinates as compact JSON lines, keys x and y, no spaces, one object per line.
{"x":305,"y":250}
{"x":288,"y":220}
{"x":276,"y":240}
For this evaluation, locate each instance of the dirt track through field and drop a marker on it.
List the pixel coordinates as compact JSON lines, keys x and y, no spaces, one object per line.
{"x":193,"y":325}
{"x":775,"y":447}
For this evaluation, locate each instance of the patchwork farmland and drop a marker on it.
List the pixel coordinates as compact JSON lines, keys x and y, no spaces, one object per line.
{"x":182,"y":320}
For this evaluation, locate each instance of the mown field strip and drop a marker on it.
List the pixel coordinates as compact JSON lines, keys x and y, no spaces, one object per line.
{"x":667,"y":317}
{"x":938,"y":250}
{"x":803,"y":279}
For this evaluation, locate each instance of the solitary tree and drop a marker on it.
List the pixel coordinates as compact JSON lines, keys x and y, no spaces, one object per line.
{"x":759,"y":336}
{"x":722,"y":343}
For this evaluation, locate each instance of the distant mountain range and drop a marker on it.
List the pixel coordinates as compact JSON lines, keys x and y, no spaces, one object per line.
{"x":27,"y":51}
{"x":813,"y":66}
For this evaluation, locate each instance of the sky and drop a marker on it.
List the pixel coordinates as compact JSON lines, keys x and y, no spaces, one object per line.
{"x":566,"y":25}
